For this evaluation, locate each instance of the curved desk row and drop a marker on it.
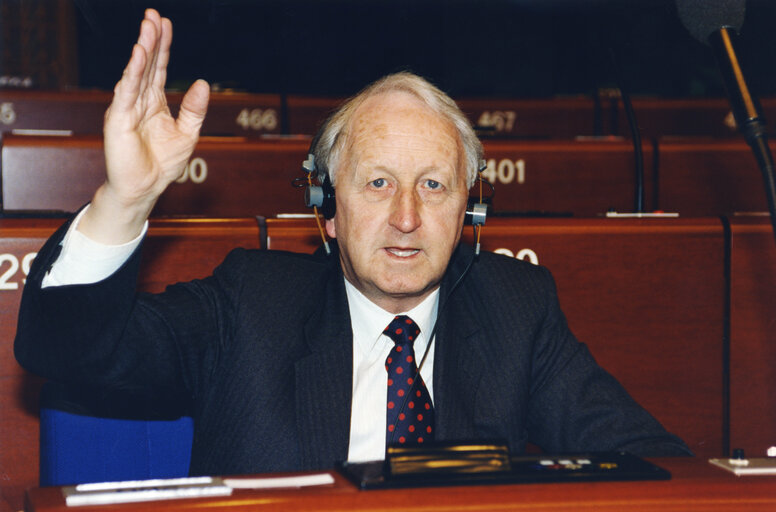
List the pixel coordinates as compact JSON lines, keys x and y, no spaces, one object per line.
{"x":679,"y":310}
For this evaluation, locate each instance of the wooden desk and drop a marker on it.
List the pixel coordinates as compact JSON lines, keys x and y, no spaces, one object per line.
{"x":82,"y":112}
{"x":533,"y":118}
{"x":236,"y":176}
{"x":752,"y":335}
{"x":695,"y":486}
{"x":167,"y":258}
{"x":704,"y":177}
{"x":20,"y":240}
{"x":306,"y":114}
{"x":658,"y":117}
{"x":583,"y":178}
{"x":225,"y":177}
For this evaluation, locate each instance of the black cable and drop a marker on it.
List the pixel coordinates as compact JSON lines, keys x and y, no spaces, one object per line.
{"x":431,"y":338}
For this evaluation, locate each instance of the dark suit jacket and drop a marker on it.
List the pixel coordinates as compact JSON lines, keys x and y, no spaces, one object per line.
{"x":260,"y":354}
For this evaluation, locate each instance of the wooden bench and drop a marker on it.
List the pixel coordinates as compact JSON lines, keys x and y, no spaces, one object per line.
{"x":175,"y":250}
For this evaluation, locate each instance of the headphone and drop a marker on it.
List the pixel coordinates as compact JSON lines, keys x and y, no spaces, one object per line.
{"x":320,"y":196}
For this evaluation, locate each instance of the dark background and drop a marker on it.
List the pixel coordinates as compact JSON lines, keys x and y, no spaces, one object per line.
{"x":518,"y":48}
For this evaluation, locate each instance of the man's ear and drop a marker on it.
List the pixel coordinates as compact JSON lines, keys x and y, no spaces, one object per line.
{"x":331,"y":230}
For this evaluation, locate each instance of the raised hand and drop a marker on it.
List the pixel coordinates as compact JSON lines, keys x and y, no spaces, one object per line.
{"x":145,"y":147}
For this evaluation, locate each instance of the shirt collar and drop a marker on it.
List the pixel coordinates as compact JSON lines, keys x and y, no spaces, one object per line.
{"x":368,"y":320}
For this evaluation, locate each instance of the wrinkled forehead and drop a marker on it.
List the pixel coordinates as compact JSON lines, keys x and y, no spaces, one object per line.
{"x":398,"y":116}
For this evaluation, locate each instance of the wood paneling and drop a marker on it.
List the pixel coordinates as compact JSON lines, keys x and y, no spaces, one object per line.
{"x":752,"y":335}
{"x":175,"y":250}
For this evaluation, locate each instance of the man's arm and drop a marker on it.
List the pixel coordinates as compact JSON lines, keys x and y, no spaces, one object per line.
{"x":146,"y":149}
{"x":81,"y":260}
{"x":71,"y":332}
{"x":576,"y":404}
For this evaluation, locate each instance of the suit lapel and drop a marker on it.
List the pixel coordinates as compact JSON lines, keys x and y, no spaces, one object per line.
{"x":324,"y":380}
{"x":459,"y":362}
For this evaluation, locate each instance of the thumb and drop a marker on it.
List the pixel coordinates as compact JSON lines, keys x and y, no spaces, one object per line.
{"x":193,"y":108}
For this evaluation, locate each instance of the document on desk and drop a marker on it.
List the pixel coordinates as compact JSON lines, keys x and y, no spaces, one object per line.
{"x":105,"y":493}
{"x":277,"y":482}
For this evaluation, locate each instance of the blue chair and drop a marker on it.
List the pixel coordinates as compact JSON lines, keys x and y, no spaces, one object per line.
{"x":84,"y":440}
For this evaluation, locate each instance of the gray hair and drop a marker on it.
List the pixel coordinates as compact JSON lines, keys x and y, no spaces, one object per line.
{"x":330,"y":139}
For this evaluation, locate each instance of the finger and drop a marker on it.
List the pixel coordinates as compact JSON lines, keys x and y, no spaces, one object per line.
{"x":193,"y":108}
{"x":149,"y":40}
{"x":128,"y":88}
{"x":158,"y":22}
{"x":163,"y":56}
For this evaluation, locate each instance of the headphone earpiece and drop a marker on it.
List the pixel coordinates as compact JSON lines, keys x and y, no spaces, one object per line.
{"x":319,"y":196}
{"x":477,"y":212}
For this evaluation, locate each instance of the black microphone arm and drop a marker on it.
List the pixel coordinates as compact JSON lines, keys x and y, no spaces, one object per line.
{"x":746,"y":110}
{"x":717,"y":22}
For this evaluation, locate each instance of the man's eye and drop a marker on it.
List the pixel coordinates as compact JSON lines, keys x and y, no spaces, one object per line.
{"x":433,"y":185}
{"x":378,"y":183}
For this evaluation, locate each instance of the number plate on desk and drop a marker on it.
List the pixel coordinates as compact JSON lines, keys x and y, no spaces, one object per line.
{"x":524,"y":469}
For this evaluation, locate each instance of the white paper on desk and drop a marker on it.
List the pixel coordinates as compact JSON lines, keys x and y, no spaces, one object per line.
{"x":753,"y":466}
{"x":104,"y":493}
{"x":279,"y":481}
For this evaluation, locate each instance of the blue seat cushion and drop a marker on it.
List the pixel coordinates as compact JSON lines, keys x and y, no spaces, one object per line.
{"x":77,"y":445}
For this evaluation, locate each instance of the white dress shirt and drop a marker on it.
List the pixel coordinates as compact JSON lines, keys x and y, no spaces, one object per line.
{"x":84,"y":261}
{"x":370,"y":379}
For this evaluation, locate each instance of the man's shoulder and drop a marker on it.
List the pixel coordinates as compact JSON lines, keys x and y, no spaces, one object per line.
{"x":271,"y":260}
{"x":502,"y":281}
{"x":508,"y":270}
{"x":269,"y":268}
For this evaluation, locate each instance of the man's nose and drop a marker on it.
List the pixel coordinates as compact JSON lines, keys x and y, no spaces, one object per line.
{"x":405,"y":215}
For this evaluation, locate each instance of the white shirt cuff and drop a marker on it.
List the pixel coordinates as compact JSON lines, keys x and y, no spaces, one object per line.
{"x":84,"y":261}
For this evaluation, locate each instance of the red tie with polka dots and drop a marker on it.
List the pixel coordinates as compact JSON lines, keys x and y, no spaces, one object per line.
{"x":410,"y":417}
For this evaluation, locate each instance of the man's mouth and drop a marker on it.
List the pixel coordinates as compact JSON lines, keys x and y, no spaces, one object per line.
{"x":402,"y":253}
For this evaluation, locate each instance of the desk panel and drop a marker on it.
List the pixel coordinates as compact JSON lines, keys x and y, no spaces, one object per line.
{"x":306,"y":114}
{"x":237,"y":177}
{"x":20,"y":240}
{"x":695,"y":486}
{"x":752,"y":335}
{"x":647,"y":296}
{"x":238,"y":114}
{"x":580,"y":178}
{"x":533,"y":118}
{"x":705,"y":177}
{"x":499,"y":117}
{"x":82,"y":112}
{"x":226,"y":177}
{"x":167,"y":255}
{"x":658,"y":117}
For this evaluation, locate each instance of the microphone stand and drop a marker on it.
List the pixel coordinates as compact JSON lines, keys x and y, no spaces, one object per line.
{"x":630,"y":114}
{"x":746,"y":112}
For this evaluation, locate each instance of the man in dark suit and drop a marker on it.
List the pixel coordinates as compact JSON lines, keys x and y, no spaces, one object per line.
{"x":281,"y":359}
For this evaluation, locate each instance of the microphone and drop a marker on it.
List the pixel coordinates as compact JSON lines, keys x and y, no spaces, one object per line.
{"x":716,"y":23}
